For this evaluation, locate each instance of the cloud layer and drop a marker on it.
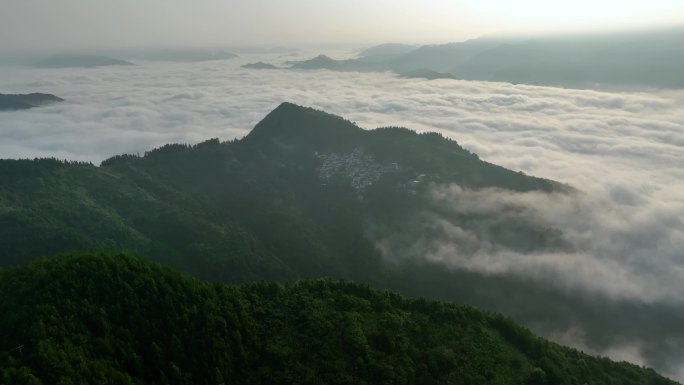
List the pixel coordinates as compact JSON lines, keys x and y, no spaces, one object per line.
{"x":621,"y":248}
{"x":624,"y":151}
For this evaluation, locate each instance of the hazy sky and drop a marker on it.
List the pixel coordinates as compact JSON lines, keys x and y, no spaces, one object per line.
{"x":59,"y":24}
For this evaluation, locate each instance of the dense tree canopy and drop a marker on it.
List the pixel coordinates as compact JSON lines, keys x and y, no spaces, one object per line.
{"x":94,"y":318}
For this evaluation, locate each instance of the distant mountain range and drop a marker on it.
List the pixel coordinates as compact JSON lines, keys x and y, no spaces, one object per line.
{"x":322,"y":62}
{"x":80,"y":61}
{"x":12,"y":102}
{"x":388,"y":49}
{"x":308,"y":194}
{"x":630,"y":59}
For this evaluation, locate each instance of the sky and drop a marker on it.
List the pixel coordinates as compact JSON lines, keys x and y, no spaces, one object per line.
{"x":27,"y":25}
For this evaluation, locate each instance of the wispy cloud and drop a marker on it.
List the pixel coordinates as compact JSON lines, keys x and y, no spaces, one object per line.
{"x":618,"y":245}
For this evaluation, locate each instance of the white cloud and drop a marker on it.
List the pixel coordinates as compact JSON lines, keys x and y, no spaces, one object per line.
{"x":617,"y":147}
{"x":624,"y":151}
{"x":618,"y":244}
{"x":620,"y":147}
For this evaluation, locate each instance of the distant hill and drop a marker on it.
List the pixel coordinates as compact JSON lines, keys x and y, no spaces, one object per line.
{"x":319,"y":62}
{"x":10,"y":102}
{"x":260,"y":66}
{"x":136,"y":203}
{"x":116,"y":319}
{"x":388,"y":49}
{"x":440,"y":57}
{"x":649,"y":59}
{"x":82,"y":61}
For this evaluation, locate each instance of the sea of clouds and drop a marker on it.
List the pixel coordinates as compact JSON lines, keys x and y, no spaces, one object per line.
{"x":624,"y":152}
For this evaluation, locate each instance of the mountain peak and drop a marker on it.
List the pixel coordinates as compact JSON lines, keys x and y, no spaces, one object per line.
{"x":292,"y":122}
{"x":319,"y":62}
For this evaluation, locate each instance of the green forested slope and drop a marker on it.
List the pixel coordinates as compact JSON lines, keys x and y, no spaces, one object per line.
{"x":256,"y":208}
{"x":116,"y":319}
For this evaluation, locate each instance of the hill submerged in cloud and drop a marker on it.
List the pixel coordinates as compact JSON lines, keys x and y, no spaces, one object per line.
{"x":388,"y":49}
{"x":319,"y":62}
{"x":80,"y":61}
{"x":14,"y":102}
{"x":113,"y":318}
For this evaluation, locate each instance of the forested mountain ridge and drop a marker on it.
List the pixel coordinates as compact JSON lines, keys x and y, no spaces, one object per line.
{"x":191,"y":203}
{"x":117,"y":319}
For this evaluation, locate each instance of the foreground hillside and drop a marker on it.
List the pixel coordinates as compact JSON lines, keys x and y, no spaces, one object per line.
{"x":117,"y":319}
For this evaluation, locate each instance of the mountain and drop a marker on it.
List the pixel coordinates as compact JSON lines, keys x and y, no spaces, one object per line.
{"x":319,"y":62}
{"x":387,"y":49}
{"x":308,"y":194}
{"x":266,"y":195}
{"x":260,"y":66}
{"x":117,"y":319}
{"x":12,"y":102}
{"x":650,"y":59}
{"x":441,"y":57}
{"x":80,"y":61}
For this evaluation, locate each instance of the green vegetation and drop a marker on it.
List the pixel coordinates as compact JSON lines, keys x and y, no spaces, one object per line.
{"x":97,"y":318}
{"x":262,"y":198}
